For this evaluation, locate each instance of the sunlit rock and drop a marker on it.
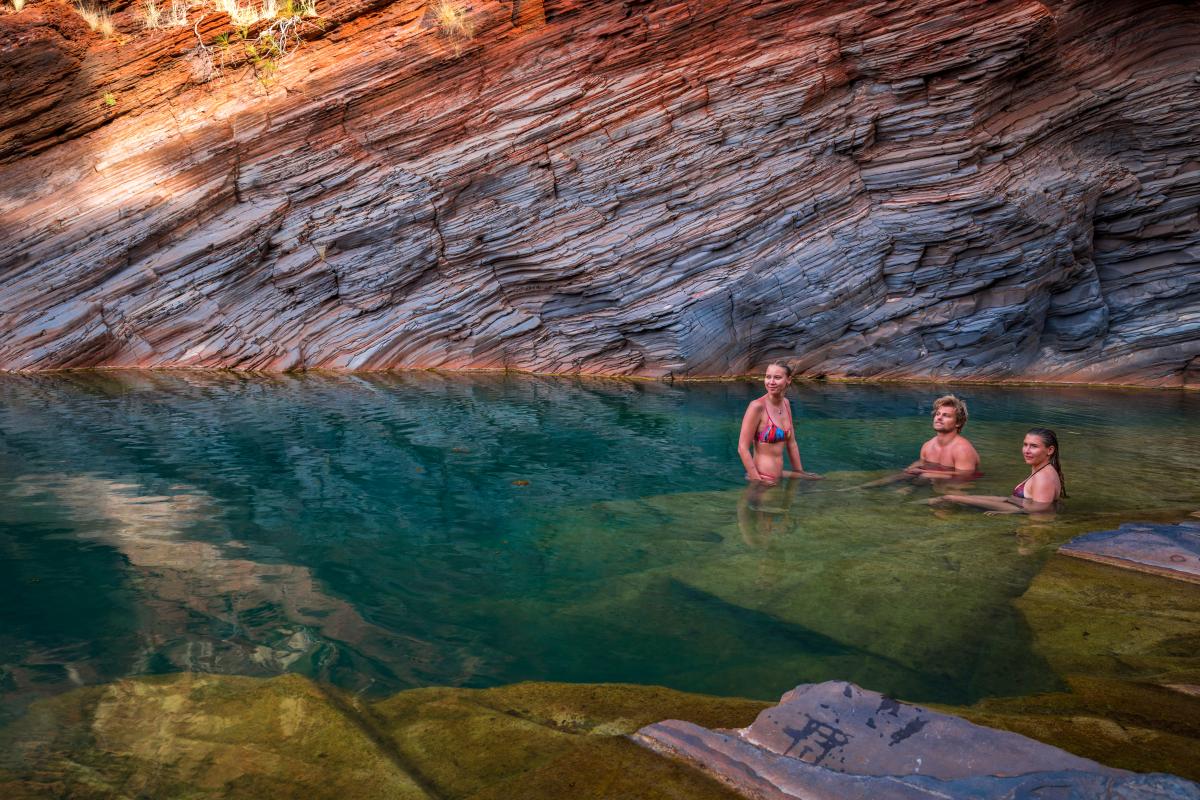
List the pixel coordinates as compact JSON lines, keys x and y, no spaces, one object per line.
{"x":198,"y":736}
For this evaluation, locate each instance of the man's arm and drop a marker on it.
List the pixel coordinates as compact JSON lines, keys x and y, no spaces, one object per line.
{"x":918,"y":467}
{"x":966,"y":460}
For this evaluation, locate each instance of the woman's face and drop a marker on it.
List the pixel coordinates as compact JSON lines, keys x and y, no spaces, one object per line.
{"x":776,"y":380}
{"x":1035,"y":450}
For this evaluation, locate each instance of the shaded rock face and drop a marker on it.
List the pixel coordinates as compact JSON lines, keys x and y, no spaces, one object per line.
{"x":871,"y":189}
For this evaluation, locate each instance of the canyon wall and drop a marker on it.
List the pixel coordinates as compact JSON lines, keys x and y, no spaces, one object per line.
{"x":875,"y":189}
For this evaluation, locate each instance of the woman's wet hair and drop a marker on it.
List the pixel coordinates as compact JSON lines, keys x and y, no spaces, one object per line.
{"x":960,"y":409}
{"x":1049,"y":439}
{"x":785,"y":367}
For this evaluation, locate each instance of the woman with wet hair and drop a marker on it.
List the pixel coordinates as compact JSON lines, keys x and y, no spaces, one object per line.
{"x":767,"y":431}
{"x":1038,"y":493}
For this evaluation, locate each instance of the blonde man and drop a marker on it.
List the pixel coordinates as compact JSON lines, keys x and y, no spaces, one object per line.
{"x":948,"y":454}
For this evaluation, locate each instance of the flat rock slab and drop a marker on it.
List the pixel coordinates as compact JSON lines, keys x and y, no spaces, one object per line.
{"x":1172,"y":551}
{"x":836,"y":741}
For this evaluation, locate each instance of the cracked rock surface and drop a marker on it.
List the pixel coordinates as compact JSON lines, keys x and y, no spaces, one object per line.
{"x":1005,"y":190}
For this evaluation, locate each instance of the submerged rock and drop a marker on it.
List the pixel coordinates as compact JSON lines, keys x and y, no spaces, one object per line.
{"x":1100,"y":621}
{"x":835,"y":741}
{"x":1129,"y":724}
{"x":1127,"y":646}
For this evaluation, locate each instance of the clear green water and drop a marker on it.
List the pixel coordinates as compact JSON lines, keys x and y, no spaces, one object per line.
{"x":368,"y":531}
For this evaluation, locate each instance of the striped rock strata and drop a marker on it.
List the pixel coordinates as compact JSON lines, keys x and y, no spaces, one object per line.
{"x":881,"y":188}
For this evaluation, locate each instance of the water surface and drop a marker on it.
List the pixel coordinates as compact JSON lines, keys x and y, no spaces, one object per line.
{"x":388,"y":531}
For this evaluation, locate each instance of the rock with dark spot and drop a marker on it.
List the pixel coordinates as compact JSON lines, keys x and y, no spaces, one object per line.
{"x":794,"y":750}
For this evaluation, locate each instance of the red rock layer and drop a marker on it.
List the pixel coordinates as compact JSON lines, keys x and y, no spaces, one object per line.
{"x":888,"y":189}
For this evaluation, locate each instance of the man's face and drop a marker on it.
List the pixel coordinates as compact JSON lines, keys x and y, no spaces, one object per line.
{"x":945,"y":419}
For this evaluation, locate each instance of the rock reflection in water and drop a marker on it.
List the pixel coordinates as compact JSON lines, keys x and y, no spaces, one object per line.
{"x":209,"y":607}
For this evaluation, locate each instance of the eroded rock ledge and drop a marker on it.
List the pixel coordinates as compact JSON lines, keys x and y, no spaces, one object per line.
{"x":1003,"y":190}
{"x":835,"y":741}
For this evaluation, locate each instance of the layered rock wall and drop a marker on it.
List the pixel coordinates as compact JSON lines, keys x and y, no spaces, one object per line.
{"x":886,"y":188}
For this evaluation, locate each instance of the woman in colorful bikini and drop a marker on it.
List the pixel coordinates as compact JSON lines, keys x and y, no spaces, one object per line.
{"x":1039,"y":493}
{"x":767,"y":429}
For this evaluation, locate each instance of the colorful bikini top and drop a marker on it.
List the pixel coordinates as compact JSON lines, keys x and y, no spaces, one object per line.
{"x":772,"y":434}
{"x":1019,"y":490}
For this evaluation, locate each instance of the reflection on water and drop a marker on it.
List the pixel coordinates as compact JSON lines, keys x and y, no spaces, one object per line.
{"x":381,"y":532}
{"x":255,"y":617}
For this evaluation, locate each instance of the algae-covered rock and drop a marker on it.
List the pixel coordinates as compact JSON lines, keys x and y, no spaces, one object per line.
{"x":799,"y":584}
{"x":546,"y":740}
{"x":1094,"y":619}
{"x":198,"y":736}
{"x":192,"y":736}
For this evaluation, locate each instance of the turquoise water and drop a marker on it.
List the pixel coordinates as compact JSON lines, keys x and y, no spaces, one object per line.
{"x":388,"y":531}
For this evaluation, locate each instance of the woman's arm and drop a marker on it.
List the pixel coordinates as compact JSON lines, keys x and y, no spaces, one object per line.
{"x":746,"y":439}
{"x":1041,"y":492}
{"x":793,"y":450}
{"x":990,"y":503}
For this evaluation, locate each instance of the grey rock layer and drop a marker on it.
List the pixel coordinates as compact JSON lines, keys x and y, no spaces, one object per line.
{"x":1172,"y":551}
{"x":1005,"y":190}
{"x":835,"y":741}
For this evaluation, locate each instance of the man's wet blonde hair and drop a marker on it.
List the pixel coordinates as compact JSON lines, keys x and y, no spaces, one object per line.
{"x":960,"y":409}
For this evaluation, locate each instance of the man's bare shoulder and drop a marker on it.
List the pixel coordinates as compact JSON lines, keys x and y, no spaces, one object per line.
{"x":962,"y":444}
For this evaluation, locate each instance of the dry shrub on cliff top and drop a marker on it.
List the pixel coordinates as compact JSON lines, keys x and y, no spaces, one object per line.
{"x":97,"y":18}
{"x":155,"y":17}
{"x":240,"y":15}
{"x":454,"y":22}
{"x":246,"y":15}
{"x":264,"y":49}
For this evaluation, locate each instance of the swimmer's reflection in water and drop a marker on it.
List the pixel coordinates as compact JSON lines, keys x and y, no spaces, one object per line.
{"x":763,"y":511}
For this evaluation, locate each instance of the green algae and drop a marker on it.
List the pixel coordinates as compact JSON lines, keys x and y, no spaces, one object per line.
{"x":1095,"y":619}
{"x":199,"y":736}
{"x":196,"y":736}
